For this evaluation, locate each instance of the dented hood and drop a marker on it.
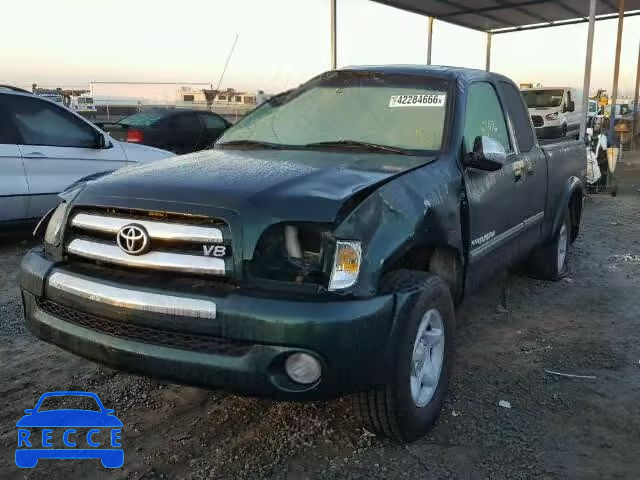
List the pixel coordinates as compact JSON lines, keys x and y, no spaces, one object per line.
{"x":308,"y":185}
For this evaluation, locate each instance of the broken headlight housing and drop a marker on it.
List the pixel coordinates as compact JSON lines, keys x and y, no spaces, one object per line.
{"x":306,"y":253}
{"x":292,"y":253}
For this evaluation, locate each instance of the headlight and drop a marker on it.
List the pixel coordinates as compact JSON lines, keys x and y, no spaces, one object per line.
{"x":53,"y":235}
{"x":552,"y":116}
{"x":346,"y":265}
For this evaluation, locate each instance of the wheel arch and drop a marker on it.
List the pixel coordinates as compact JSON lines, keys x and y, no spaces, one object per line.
{"x":571,"y":198}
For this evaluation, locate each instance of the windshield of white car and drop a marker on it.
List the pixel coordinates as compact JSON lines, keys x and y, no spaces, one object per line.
{"x":347,"y":109}
{"x":543,"y":98}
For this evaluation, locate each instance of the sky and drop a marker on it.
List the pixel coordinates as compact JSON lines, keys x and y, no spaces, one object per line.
{"x":281,"y":43}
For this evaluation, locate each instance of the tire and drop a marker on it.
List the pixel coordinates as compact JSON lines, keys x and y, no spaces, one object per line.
{"x":549,"y":262}
{"x":404,"y":409}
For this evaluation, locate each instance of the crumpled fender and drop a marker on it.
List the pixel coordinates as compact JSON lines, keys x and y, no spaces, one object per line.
{"x":421,"y":207}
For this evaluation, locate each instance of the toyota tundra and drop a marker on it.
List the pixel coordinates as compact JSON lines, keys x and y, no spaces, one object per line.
{"x":319,"y":249}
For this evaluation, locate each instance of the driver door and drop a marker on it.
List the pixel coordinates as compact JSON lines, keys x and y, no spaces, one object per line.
{"x":494,"y":217}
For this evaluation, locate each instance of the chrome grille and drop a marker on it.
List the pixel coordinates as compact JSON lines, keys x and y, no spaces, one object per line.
{"x":175,"y":245}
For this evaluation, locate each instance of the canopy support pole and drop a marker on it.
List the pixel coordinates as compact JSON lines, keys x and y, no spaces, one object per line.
{"x":587,"y":69}
{"x":636,"y":107}
{"x":488,"y":65}
{"x":334,"y":45}
{"x":616,"y":72}
{"x":429,"y":39}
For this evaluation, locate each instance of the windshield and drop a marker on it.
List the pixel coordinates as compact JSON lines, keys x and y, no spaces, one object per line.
{"x":141,"y":119}
{"x":395,"y":110}
{"x":543,"y":98}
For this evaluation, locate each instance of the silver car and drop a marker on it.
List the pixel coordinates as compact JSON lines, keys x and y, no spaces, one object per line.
{"x":45,"y":147}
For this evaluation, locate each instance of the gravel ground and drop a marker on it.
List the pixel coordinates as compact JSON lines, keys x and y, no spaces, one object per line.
{"x":557,"y":427}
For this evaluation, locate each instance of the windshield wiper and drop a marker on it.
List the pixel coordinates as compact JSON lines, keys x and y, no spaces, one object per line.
{"x":251,"y":143}
{"x":357,"y":143}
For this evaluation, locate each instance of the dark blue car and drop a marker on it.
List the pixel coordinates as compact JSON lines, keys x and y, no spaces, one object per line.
{"x":31,"y":448}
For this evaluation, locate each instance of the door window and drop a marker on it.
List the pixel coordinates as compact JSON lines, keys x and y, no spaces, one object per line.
{"x":212,"y":122}
{"x":42,"y":123}
{"x":519,"y":116}
{"x":186,"y":123}
{"x":484,"y":116}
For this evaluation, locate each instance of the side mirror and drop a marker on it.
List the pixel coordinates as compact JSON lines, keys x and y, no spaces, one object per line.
{"x":29,"y":411}
{"x":571,"y":106}
{"x":104,"y":140}
{"x":109,"y":411}
{"x":488,"y":154}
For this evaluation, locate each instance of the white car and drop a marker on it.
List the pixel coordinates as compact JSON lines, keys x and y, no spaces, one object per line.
{"x":555,"y":111}
{"x":45,"y":147}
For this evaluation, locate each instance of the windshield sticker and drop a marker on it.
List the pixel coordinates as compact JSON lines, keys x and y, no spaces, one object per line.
{"x":432,"y":100}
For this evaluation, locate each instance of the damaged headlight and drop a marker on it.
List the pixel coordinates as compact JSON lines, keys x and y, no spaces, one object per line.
{"x":346,"y":265}
{"x":53,"y":234}
{"x":292,"y":253}
{"x":307,"y":253}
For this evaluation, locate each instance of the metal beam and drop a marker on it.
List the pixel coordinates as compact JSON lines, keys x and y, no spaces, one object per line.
{"x":496,"y":8}
{"x":616,"y":72}
{"x":587,"y":68}
{"x":562,"y":23}
{"x":429,"y":39}
{"x":334,"y":45}
{"x":636,"y":108}
{"x":488,"y":59}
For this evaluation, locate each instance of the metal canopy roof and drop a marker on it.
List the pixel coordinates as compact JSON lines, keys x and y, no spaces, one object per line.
{"x":502,"y":16}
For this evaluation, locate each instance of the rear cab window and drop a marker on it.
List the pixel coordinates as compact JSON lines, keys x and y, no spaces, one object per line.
{"x":519,"y":115}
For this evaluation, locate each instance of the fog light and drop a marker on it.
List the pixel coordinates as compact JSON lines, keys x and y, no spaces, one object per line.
{"x":302,"y":368}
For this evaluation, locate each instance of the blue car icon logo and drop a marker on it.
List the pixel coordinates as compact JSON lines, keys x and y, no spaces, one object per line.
{"x":69,"y":433}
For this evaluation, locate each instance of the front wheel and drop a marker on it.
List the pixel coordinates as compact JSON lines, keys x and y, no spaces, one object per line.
{"x":406,"y":407}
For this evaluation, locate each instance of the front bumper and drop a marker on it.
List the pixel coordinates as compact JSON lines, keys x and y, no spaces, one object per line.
{"x":236,"y":342}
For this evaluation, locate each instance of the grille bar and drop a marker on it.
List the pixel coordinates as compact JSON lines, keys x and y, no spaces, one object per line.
{"x":165,"y":261}
{"x":157,"y":230}
{"x":130,"y":298}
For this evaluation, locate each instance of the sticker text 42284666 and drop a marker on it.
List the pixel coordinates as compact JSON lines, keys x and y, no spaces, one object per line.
{"x":425,"y":100}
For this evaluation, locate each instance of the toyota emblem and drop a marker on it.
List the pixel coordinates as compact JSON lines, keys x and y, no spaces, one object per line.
{"x":133,"y":239}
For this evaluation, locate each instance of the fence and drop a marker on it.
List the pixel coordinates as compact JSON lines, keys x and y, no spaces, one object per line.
{"x":113,"y":112}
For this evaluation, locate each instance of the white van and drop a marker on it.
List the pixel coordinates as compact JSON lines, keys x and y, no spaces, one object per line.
{"x":555,"y":111}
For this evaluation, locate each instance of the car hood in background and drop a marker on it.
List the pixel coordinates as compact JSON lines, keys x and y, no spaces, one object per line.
{"x":305,"y":185}
{"x":135,"y":152}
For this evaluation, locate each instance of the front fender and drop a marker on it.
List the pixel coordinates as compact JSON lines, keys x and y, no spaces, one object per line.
{"x":421,"y":207}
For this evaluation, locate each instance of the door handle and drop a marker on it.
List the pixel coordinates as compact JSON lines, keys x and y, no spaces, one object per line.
{"x":518,"y":170}
{"x":34,"y":155}
{"x":531,"y":168}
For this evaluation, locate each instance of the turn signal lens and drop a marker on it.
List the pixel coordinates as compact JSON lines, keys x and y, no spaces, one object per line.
{"x":346,"y":265}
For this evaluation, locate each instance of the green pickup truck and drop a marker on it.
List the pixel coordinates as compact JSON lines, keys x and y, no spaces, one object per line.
{"x":319,"y":248}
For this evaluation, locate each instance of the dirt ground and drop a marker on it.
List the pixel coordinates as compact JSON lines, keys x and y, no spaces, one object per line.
{"x":557,"y":427}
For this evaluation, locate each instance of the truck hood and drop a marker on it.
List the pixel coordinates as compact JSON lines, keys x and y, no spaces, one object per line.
{"x":305,"y":185}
